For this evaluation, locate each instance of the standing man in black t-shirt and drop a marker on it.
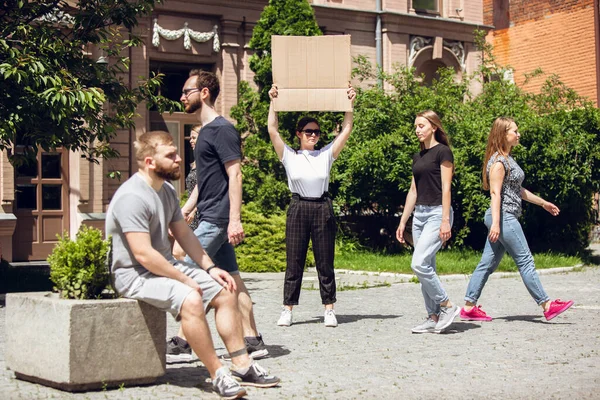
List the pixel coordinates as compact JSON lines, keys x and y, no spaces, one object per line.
{"x":218,"y":156}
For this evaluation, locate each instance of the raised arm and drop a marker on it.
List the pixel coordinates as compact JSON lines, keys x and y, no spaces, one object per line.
{"x":409,"y":206}
{"x":273,"y":125}
{"x":546,"y":205}
{"x":496,"y":178}
{"x":340,"y":141}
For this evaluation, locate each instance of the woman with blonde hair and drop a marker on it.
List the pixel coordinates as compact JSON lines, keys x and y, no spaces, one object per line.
{"x":429,"y":196}
{"x":503,"y":177}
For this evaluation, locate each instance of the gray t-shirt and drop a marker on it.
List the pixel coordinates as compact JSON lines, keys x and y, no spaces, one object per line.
{"x":511,"y":186}
{"x":137,"y":207}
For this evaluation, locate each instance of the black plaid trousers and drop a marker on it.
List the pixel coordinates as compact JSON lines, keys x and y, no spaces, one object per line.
{"x":309,"y":219}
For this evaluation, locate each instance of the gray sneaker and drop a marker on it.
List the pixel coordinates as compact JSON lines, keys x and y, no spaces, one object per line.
{"x":226,"y":385}
{"x":447,"y":315}
{"x":426,"y":327}
{"x":256,"y":376}
{"x":178,"y":350}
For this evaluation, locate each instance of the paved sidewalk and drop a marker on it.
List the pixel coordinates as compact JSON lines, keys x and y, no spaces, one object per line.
{"x":372,"y":354}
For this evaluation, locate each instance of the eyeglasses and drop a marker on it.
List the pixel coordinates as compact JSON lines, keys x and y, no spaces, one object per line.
{"x":186,"y":92}
{"x":310,"y":132}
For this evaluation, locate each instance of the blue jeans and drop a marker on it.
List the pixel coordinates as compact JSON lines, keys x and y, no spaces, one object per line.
{"x":426,"y":238}
{"x":511,"y":240}
{"x":215,"y":242}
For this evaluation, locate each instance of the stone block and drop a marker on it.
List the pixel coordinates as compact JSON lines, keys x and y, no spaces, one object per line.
{"x":78,"y":345}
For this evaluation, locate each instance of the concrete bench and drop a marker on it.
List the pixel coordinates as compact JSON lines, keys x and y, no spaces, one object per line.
{"x":79,"y":345}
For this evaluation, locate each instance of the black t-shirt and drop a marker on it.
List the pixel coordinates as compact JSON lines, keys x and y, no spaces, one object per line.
{"x":428,"y":174}
{"x":218,"y":143}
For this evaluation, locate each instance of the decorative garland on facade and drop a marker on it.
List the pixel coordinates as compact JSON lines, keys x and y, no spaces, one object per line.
{"x":187,"y":33}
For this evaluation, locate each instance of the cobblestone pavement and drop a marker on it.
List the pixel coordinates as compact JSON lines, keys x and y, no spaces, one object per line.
{"x":372,"y":353}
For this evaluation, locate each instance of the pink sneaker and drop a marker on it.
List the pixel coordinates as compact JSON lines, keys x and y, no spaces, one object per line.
{"x":557,"y":307}
{"x":476,"y":314}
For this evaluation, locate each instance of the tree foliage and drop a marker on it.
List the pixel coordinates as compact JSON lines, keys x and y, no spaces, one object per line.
{"x":54,"y":94}
{"x":559,"y":152}
{"x":264,"y":177}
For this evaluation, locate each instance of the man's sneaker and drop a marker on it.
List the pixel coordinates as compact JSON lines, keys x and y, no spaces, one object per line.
{"x":256,"y":376}
{"x":330,"y":319}
{"x":426,"y":327}
{"x":446,"y":317}
{"x":256,"y":347}
{"x":178,"y":350}
{"x":557,"y":307}
{"x":476,"y":314}
{"x":286,"y":317}
{"x":226,"y":385}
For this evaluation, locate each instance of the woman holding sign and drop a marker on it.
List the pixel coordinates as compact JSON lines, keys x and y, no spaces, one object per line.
{"x":310,"y":214}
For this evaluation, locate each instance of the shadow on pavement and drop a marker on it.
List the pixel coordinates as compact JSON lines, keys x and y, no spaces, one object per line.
{"x":531,"y":318}
{"x":188,"y":376}
{"x":346,"y":318}
{"x":275,"y":351}
{"x":460,"y":327}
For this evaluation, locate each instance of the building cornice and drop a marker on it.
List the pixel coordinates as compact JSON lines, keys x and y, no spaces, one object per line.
{"x":405,"y":18}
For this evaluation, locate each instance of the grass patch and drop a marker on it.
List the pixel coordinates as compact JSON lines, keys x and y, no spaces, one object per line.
{"x":448,"y":261}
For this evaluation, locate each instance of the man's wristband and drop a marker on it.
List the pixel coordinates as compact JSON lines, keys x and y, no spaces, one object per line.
{"x":209,"y":268}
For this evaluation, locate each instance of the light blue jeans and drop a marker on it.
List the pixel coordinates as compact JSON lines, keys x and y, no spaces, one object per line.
{"x":215,"y":242}
{"x":426,"y":238}
{"x":511,"y":240}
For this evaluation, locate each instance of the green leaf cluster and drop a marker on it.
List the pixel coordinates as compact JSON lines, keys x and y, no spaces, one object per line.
{"x":54,"y":93}
{"x":78,"y":268}
{"x":559,"y":152}
{"x":263,"y":250}
{"x":264,"y":177}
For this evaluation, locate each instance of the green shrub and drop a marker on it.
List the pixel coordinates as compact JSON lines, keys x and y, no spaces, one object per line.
{"x":263,"y":249}
{"x":78,"y":268}
{"x":559,"y":150}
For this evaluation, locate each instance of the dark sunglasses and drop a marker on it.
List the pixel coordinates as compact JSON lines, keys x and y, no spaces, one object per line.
{"x":310,"y":132}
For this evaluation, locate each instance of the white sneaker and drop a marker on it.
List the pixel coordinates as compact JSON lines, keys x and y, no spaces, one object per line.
{"x":286,"y":317}
{"x":330,"y":319}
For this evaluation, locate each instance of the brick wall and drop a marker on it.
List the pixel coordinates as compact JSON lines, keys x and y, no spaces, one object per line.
{"x":558,"y":37}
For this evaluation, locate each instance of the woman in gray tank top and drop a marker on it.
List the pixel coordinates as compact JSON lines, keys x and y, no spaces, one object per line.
{"x":503,"y":177}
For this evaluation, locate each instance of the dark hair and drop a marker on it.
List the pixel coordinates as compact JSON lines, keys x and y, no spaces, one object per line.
{"x":434,"y":119}
{"x":209,"y":80}
{"x":302,"y":122}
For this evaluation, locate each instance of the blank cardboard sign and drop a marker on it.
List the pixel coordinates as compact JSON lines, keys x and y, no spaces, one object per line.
{"x":311,"y":72}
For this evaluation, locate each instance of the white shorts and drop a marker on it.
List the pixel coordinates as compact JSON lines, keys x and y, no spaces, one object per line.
{"x":164,"y":293}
